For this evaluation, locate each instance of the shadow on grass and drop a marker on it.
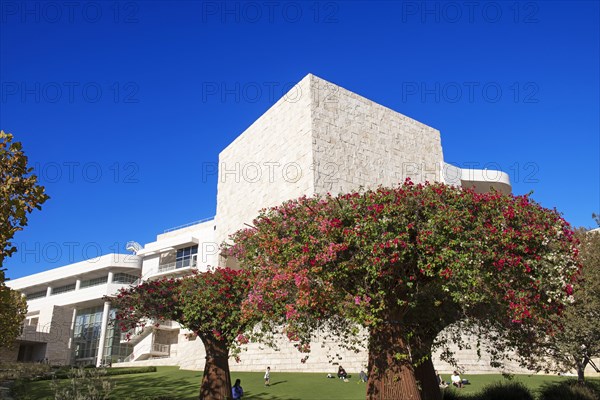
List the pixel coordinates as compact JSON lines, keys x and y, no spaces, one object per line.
{"x":277,"y":383}
{"x":267,"y":396}
{"x":177,"y":388}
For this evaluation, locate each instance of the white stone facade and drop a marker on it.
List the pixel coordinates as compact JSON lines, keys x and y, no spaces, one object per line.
{"x":55,"y":296}
{"x":320,"y":138}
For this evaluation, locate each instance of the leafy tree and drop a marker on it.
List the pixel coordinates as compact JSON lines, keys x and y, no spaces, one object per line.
{"x":19,"y":195}
{"x":208,"y":303}
{"x":12,"y":313}
{"x":578,"y":339}
{"x":404,"y":263}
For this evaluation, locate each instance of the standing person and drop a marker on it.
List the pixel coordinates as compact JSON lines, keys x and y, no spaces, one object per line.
{"x":236,"y":390}
{"x":268,"y":377}
{"x":456,"y":381}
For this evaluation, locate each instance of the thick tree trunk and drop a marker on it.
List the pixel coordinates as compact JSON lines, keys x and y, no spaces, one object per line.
{"x":391,"y":375}
{"x":425,"y":374}
{"x":216,"y":382}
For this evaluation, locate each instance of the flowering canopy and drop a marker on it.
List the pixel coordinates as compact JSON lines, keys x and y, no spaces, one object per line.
{"x":396,"y":255}
{"x":208,"y":303}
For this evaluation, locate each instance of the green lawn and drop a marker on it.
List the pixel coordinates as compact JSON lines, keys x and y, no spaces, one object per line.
{"x":180,"y":384}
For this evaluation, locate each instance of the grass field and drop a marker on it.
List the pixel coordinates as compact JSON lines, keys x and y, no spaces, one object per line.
{"x":180,"y":384}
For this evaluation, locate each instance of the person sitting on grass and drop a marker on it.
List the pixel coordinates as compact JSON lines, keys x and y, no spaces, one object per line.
{"x":236,"y":390}
{"x":441,"y":383}
{"x":363,"y":377}
{"x":456,"y":381}
{"x":342,"y":373}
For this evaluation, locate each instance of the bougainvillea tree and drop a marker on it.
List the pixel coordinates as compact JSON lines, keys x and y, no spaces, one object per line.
{"x":404,"y":263}
{"x":207,"y":303}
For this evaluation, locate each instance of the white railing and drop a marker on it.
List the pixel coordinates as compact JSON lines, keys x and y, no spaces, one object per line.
{"x":148,"y":347}
{"x":188,"y":224}
{"x":188,"y":262}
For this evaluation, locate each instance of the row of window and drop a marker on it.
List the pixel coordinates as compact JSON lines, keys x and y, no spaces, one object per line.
{"x":120,"y":277}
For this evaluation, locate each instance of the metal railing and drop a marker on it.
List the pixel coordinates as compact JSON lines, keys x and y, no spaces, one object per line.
{"x":188,"y":224}
{"x":160,"y":348}
{"x":185,"y":263}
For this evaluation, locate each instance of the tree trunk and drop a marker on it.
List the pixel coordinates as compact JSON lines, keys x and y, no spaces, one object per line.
{"x":581,"y":373}
{"x":216,"y":382}
{"x":391,"y":375}
{"x":425,"y":374}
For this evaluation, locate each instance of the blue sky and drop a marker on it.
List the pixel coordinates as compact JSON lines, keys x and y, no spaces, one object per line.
{"x":120,"y":105}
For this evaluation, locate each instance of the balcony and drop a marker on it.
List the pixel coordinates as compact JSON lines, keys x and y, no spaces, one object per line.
{"x":160,"y":349}
{"x":35,"y":333}
{"x":190,"y":262}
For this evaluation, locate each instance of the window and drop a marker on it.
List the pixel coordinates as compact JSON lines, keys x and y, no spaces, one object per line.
{"x":93,"y":282}
{"x":114,"y":350}
{"x":36,"y":295}
{"x":186,"y":257}
{"x":86,"y":335}
{"x":124,"y":278}
{"x":63,"y":289}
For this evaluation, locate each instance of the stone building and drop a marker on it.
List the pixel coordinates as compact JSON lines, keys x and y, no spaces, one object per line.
{"x":318,"y":138}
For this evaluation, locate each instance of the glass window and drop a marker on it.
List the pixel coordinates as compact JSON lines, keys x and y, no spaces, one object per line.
{"x":36,"y":295}
{"x":86,"y":336}
{"x":63,"y":289}
{"x":186,"y":257}
{"x":93,"y":282}
{"x":124,"y":278}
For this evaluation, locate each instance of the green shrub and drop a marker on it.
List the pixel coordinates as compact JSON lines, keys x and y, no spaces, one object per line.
{"x":83,"y":385}
{"x":506,"y":391}
{"x":569,"y":391}
{"x":131,"y":370}
{"x":66,"y":373}
{"x":21,"y":370}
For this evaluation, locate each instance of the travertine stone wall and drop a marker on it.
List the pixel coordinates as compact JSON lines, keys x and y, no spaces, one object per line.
{"x":320,"y":138}
{"x":9,"y":354}
{"x":267,"y":164}
{"x":57,"y":350}
{"x":256,"y":357}
{"x":357,"y":142}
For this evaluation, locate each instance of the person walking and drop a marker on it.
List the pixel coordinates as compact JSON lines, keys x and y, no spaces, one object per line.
{"x":268,"y":377}
{"x":236,"y":390}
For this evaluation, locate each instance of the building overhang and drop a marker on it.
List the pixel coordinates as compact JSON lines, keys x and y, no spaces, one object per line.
{"x":481,"y":180}
{"x":168,"y":244}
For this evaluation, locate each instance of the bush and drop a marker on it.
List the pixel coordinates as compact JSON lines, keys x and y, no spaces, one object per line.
{"x":66,"y":373}
{"x":506,"y":391}
{"x":83,"y":385}
{"x":131,"y":370}
{"x":569,"y":391}
{"x":20,"y":370}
